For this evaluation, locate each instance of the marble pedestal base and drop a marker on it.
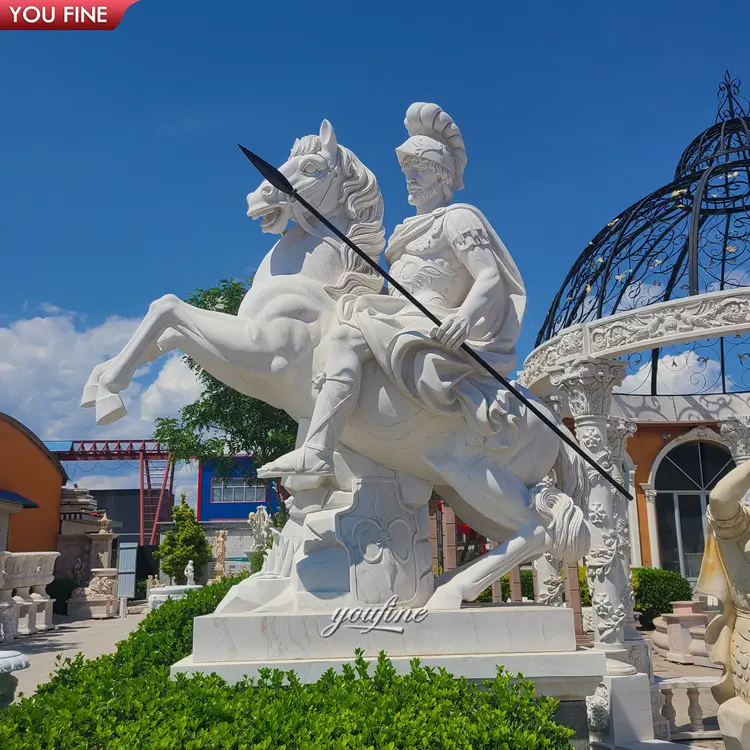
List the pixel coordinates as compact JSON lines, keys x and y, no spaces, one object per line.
{"x":94,"y":609}
{"x":157,"y":596}
{"x":537,"y":641}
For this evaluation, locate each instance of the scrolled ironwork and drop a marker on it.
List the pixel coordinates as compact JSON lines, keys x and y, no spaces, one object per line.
{"x":689,"y":237}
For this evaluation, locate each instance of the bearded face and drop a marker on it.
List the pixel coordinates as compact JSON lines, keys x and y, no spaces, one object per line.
{"x":424,"y":179}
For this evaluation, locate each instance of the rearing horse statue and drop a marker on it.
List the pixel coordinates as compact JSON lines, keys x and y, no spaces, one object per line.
{"x":280,"y":338}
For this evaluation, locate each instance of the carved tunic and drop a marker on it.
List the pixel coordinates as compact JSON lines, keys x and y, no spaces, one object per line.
{"x":427,"y":255}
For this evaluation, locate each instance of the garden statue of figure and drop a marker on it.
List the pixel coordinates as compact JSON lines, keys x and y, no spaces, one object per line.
{"x":190,"y":573}
{"x":260,"y":526}
{"x":450,"y":258}
{"x":220,"y":552}
{"x":725,"y":574}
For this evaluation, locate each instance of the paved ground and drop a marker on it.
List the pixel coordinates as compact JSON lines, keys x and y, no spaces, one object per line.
{"x":91,"y":637}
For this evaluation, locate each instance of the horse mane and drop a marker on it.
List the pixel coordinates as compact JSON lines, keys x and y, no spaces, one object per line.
{"x":363,"y":203}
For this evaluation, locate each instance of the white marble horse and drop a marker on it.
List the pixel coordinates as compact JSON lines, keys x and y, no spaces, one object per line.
{"x":276,"y":344}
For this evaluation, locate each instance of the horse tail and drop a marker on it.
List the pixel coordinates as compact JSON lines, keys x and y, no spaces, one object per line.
{"x":570,"y":470}
{"x":563,"y":508}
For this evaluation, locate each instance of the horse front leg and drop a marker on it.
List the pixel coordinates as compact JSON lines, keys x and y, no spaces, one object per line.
{"x":215,"y":340}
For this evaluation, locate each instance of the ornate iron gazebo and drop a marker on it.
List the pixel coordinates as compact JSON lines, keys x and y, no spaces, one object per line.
{"x":690,"y":237}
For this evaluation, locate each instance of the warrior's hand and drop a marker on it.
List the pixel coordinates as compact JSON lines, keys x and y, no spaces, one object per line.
{"x":453,"y":331}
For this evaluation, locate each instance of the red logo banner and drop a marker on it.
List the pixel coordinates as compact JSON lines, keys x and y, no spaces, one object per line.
{"x":59,"y":15}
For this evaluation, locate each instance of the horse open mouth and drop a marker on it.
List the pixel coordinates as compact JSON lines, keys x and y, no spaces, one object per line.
{"x":269,"y":216}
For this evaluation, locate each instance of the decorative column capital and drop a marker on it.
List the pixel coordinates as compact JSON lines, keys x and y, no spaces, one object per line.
{"x":649,"y":492}
{"x":556,"y":403}
{"x":736,"y":432}
{"x":619,"y":431}
{"x":588,"y":384}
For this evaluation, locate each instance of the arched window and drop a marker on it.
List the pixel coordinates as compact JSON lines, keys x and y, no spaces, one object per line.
{"x":684,"y":478}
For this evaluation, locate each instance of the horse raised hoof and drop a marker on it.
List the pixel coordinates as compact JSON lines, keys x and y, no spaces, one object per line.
{"x":90,"y":392}
{"x":109,"y":408}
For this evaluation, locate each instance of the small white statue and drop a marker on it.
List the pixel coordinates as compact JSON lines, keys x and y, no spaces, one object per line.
{"x":190,"y":573}
{"x":260,"y":524}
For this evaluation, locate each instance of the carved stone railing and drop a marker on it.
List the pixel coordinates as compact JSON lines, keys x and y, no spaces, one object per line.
{"x":688,"y":319}
{"x":679,"y":729}
{"x":30,"y":609}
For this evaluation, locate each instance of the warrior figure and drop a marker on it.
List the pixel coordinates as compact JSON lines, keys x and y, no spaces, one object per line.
{"x":725,"y":574}
{"x":448,"y":257}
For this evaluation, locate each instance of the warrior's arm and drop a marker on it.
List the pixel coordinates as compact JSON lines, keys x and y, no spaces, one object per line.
{"x":482,"y":265}
{"x":473,"y":247}
{"x":726,"y":498}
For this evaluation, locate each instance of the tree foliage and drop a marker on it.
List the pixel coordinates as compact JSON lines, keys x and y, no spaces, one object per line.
{"x":223,"y":423}
{"x":187,"y":541}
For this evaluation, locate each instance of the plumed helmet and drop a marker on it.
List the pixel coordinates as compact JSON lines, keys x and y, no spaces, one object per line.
{"x":435,"y":136}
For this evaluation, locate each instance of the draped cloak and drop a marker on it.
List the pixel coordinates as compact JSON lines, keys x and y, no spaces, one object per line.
{"x":441,"y":380}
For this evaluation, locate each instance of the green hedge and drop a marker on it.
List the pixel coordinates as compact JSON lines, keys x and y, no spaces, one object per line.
{"x":126,"y":701}
{"x":654,"y":591}
{"x":60,"y":590}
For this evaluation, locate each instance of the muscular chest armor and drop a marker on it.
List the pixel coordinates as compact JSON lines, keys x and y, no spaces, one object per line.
{"x":429,"y":269}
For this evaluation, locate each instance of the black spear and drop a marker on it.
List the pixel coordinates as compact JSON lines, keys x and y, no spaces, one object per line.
{"x":281,"y":183}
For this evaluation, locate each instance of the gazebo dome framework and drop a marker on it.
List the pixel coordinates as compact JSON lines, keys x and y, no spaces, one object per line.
{"x":689,"y":237}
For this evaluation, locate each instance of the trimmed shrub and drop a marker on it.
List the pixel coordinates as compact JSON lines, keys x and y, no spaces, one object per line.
{"x":655,"y":589}
{"x":126,"y":701}
{"x":61,"y":590}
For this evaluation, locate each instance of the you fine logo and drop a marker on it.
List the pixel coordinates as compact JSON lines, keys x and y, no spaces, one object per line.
{"x":63,"y":15}
{"x":388,"y":617}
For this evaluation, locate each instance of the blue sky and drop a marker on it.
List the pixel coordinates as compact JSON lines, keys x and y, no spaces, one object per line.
{"x":121,"y":181}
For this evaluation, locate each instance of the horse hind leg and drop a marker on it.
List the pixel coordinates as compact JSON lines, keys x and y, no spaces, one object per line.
{"x":554,"y":524}
{"x":468,"y":581}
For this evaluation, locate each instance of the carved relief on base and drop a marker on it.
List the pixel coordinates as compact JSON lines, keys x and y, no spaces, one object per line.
{"x":352,"y":540}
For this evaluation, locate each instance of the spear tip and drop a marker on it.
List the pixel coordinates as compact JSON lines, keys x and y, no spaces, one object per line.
{"x":268,"y":171}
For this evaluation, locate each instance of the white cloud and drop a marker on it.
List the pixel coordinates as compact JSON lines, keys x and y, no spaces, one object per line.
{"x":685,"y":374}
{"x":45,"y":362}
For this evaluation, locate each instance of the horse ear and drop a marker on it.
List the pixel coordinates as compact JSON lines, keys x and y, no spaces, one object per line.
{"x":328,"y":142}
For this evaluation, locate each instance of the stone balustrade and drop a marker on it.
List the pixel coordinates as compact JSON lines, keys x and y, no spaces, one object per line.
{"x":679,"y":636}
{"x":693,"y":728}
{"x":29,"y":610}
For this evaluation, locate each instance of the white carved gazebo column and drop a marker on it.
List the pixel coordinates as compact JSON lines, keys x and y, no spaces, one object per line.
{"x":549,"y":584}
{"x":737,"y":434}
{"x":653,"y":524}
{"x":588,"y":386}
{"x":619,"y":431}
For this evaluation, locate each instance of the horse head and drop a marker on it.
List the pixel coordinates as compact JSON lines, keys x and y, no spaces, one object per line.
{"x":334,"y":181}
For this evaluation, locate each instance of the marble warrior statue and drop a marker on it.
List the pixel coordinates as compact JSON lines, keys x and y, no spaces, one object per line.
{"x":368,"y":371}
{"x":725,"y":574}
{"x":449,"y":257}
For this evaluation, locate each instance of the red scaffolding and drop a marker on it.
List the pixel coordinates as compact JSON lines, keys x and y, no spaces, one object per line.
{"x":156,"y":472}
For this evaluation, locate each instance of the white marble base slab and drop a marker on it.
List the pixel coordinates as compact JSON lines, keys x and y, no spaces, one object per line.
{"x":538,"y":642}
{"x":516,"y":628}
